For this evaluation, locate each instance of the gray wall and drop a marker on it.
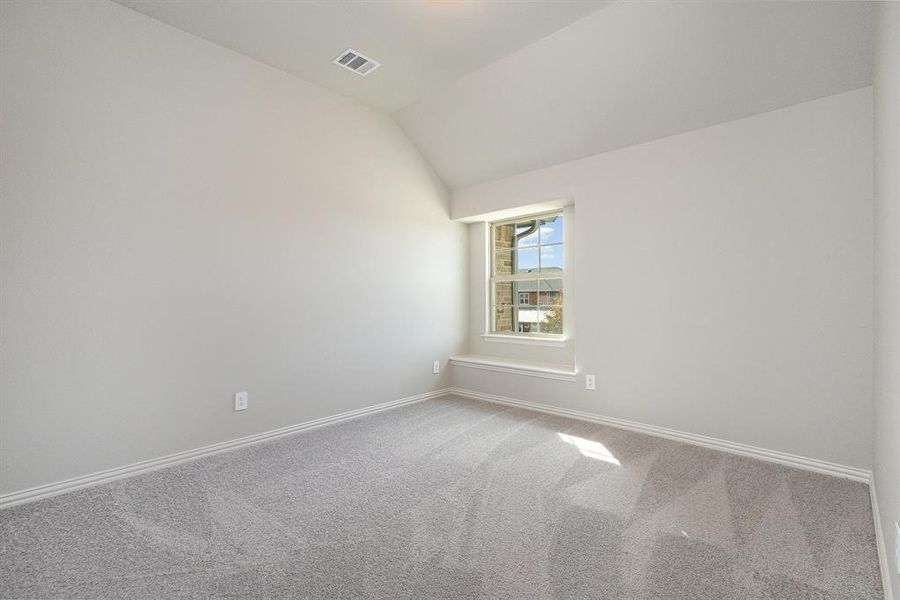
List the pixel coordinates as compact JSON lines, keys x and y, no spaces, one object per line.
{"x":179,"y":223}
{"x":887,"y":276}
{"x":724,"y":280}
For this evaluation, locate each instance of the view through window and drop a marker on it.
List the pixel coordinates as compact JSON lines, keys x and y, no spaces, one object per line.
{"x":527,"y":275}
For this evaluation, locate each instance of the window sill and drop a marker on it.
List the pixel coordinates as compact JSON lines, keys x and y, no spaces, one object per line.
{"x":515,"y":367}
{"x":555,"y":342}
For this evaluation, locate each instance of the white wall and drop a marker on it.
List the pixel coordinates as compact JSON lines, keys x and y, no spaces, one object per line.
{"x":724,"y":280}
{"x":887,"y":276}
{"x":179,"y":223}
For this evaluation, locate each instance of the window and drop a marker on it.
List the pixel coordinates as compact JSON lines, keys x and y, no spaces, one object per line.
{"x":527,"y":276}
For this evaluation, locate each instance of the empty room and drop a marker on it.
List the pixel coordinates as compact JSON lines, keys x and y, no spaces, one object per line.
{"x":439,"y":299}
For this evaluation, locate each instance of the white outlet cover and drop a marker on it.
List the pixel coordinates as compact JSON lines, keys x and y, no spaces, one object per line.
{"x":241,"y":400}
{"x":436,"y":368}
{"x":590,"y":383}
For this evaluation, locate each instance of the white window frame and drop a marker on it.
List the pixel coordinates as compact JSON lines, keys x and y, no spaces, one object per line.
{"x":539,"y":338}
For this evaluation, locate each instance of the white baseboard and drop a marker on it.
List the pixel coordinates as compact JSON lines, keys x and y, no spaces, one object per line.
{"x":883,"y":560}
{"x":69,"y":485}
{"x":791,"y":460}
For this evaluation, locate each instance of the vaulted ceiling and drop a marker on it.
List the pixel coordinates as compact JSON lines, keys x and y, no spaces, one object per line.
{"x":488,"y":89}
{"x":423,"y":45}
{"x":636,"y":71}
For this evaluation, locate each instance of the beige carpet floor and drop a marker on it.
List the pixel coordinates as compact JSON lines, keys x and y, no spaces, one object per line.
{"x":451,"y":498}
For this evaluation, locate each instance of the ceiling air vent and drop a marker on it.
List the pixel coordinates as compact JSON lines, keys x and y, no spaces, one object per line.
{"x":356,"y":62}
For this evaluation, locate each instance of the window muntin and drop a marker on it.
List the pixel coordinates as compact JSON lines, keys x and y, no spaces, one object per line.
{"x":526,"y":283}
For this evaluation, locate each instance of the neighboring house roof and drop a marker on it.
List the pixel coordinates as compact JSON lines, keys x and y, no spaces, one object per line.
{"x":547,"y":285}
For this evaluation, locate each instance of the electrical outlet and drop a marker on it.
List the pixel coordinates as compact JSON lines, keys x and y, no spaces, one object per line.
{"x":436,"y":368}
{"x":240,"y":401}
{"x":590,"y":383}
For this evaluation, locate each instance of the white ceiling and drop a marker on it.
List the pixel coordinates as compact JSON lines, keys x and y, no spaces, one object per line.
{"x":637,"y":71}
{"x":422,"y":45}
{"x":487,"y":89}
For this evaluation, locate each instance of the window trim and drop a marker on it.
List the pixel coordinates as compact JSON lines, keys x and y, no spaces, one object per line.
{"x":516,"y":366}
{"x":535,"y":339}
{"x":515,"y":337}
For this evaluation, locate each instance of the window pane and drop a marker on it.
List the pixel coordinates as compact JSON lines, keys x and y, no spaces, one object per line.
{"x":552,"y":230}
{"x":503,"y":262}
{"x":526,"y":260}
{"x":527,"y":290}
{"x":551,"y":319}
{"x":520,"y":293}
{"x":503,"y":319}
{"x":505,"y":293}
{"x":551,"y":292}
{"x":526,"y":234}
{"x":503,"y":236}
{"x":527,"y":319}
{"x":526,"y":298}
{"x":552,"y":259}
{"x":515,"y":307}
